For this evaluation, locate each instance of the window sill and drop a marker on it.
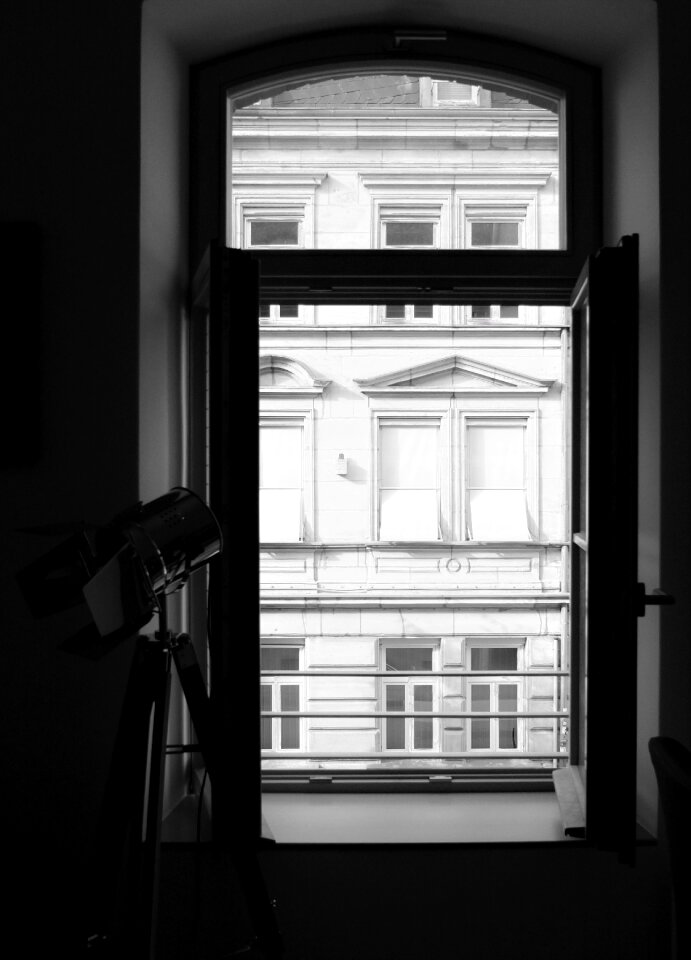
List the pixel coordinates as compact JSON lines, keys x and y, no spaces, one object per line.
{"x":478,"y":818}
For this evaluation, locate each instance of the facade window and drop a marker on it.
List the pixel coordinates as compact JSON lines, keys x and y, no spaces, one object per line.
{"x":496,"y":482}
{"x":494,"y":225}
{"x":451,"y":93}
{"x":479,"y":489}
{"x":280,"y":694}
{"x":410,"y":695}
{"x":281,"y":481}
{"x":414,"y":230}
{"x":496,"y":313}
{"x":409,"y":233}
{"x":494,"y":233}
{"x":273,"y":233}
{"x":495,"y":694}
{"x":273,"y":224}
{"x":409,"y":502}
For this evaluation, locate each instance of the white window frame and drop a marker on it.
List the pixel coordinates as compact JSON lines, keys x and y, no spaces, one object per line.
{"x":413,"y":418}
{"x":257,"y":197}
{"x":275,"y":683}
{"x":499,"y":416}
{"x":304,"y":420}
{"x":472,"y":100}
{"x":420,"y":205}
{"x":519,"y":644}
{"x":500,"y":207}
{"x":401,"y":643}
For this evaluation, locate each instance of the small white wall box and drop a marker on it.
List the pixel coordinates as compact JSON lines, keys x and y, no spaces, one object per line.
{"x":342,"y":465}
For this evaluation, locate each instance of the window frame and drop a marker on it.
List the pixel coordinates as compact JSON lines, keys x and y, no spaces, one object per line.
{"x":530,"y":278}
{"x":303,"y":419}
{"x":387,"y":643}
{"x":275,"y":682}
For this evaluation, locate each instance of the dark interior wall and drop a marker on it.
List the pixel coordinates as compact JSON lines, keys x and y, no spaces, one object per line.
{"x":70,"y":163}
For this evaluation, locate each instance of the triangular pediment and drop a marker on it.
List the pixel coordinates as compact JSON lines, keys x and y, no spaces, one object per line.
{"x":453,"y":374}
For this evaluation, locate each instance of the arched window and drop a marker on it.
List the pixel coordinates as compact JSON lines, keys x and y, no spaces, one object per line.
{"x":406,"y":218}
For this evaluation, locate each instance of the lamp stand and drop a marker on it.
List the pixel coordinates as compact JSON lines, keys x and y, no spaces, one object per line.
{"x":126,"y":872}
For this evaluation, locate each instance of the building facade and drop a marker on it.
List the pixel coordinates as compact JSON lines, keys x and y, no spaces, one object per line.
{"x":413,"y":457}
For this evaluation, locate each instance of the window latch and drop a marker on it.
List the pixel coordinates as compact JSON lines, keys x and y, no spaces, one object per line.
{"x":658,"y":598}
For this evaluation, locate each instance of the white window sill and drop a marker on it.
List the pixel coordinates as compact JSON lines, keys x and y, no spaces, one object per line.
{"x":413,"y":818}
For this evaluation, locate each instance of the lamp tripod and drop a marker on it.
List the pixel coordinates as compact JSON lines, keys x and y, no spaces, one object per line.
{"x":124,"y":914}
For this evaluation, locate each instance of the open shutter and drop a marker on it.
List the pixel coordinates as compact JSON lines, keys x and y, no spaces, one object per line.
{"x":605,"y":546}
{"x":233,"y":306}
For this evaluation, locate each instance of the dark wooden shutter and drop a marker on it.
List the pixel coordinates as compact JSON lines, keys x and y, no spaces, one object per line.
{"x":605,"y":543}
{"x":233,"y":468}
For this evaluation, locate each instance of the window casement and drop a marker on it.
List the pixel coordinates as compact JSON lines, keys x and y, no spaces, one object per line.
{"x":409,"y":227}
{"x":281,"y":695}
{"x":409,"y":694}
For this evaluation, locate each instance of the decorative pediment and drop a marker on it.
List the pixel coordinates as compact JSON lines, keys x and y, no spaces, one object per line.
{"x":283,"y":375}
{"x":453,"y":375}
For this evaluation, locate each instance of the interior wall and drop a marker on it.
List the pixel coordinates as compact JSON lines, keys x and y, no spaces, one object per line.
{"x":631,"y":205}
{"x":163,"y":314}
{"x":70,"y":163}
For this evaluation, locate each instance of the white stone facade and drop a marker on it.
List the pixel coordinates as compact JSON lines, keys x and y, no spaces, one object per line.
{"x":414,"y":487}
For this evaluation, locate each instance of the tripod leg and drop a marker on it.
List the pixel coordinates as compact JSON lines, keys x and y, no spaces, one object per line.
{"x":241,"y":854}
{"x":124,"y":866}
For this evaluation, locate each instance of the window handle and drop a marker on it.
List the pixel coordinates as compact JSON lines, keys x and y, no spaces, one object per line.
{"x":657,"y":598}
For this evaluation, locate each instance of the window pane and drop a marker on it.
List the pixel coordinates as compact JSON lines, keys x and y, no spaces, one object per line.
{"x":288,"y":310}
{"x":266,"y":722}
{"x":496,"y":456}
{"x":497,"y":515}
{"x":481,"y":313}
{"x":450,"y":90}
{"x":409,"y":515}
{"x":423,"y":734}
{"x":479,"y":697}
{"x":507,"y":697}
{"x":394,"y":311}
{"x":423,"y":311}
{"x":280,"y":515}
{"x":408,"y":456}
{"x":494,"y":658}
{"x":395,"y":729}
{"x":508,"y":312}
{"x":290,"y":726}
{"x":494,"y":234}
{"x":268,"y":233}
{"x":479,"y":734}
{"x":421,"y":136}
{"x":409,"y":233}
{"x":280,"y":457}
{"x":422,"y":697}
{"x":508,"y":734}
{"x":280,"y":658}
{"x":402,"y":659}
